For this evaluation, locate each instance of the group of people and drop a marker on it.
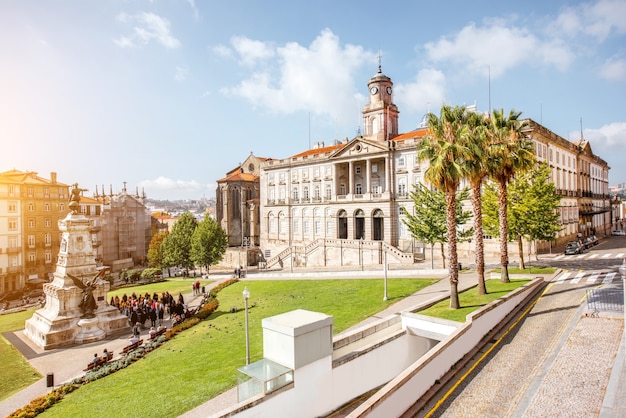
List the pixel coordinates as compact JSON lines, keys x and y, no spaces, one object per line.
{"x":106,"y":356}
{"x":141,"y":308}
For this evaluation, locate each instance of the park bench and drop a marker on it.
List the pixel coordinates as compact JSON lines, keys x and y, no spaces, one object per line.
{"x":95,"y":364}
{"x":158,"y":333}
{"x":131,"y":347}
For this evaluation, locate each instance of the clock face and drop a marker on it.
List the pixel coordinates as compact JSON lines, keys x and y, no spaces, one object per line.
{"x":374,"y":90}
{"x":388,"y":90}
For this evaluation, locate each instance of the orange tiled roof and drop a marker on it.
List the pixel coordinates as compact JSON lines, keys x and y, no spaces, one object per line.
{"x":417,"y":133}
{"x":322,"y":150}
{"x":25,"y":177}
{"x":238,"y":176}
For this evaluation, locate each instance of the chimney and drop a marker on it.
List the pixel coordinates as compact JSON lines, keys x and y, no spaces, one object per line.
{"x":53,"y":177}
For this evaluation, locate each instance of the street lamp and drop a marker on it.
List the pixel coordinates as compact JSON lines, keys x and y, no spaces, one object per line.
{"x":246,"y":295}
{"x":622,"y":271}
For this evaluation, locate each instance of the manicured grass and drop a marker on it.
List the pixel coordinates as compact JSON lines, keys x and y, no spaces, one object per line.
{"x":201,"y":362}
{"x":471,"y":301}
{"x":15,"y":371}
{"x":174,"y":286}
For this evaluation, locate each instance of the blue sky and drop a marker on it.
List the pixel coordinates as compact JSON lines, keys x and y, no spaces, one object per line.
{"x":170,"y":95}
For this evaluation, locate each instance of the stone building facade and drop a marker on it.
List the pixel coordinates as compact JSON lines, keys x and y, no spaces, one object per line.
{"x":342,"y":204}
{"x":237,"y":212}
{"x":122,"y":227}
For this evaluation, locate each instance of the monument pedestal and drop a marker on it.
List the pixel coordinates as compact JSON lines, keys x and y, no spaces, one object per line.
{"x":89,"y":331}
{"x":60,"y":322}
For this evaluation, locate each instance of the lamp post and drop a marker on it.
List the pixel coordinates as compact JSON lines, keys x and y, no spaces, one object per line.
{"x":246,"y":295}
{"x":622,"y":271}
{"x":385,"y":270}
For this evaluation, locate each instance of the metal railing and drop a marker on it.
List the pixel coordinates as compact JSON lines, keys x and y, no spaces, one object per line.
{"x":605,"y":299}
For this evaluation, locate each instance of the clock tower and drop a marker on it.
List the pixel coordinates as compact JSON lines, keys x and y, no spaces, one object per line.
{"x":380,"y":115}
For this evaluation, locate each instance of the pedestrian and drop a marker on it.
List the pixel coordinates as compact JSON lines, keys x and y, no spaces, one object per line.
{"x":137,"y":330}
{"x":161,"y":314}
{"x":153,"y":317}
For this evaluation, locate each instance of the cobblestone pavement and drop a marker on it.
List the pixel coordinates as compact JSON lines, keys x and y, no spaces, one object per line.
{"x":529,"y":375}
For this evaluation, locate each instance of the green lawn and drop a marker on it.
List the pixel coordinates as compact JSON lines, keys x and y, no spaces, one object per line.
{"x":200,"y":363}
{"x":471,"y":301}
{"x":15,"y":371}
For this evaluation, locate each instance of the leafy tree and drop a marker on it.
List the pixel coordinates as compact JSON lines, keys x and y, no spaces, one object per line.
{"x":155,"y":250}
{"x":509,"y":153}
{"x":532,"y":208}
{"x":177,"y":244}
{"x":444,"y":149}
{"x":428,"y":223}
{"x":208,"y":243}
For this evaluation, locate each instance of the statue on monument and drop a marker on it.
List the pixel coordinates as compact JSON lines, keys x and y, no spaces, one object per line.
{"x":75,"y":198}
{"x":88,"y":303}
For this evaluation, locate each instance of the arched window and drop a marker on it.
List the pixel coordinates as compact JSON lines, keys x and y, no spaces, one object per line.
{"x":271,"y":225}
{"x":359,"y":224}
{"x":378,"y":225}
{"x":282,"y":223}
{"x":342,"y":224}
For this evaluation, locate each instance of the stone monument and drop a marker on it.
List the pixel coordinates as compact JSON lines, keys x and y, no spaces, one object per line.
{"x":76,"y":309}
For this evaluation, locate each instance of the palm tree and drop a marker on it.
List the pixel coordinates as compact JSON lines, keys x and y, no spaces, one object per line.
{"x":509,"y":153}
{"x":445,"y":150}
{"x":476,"y":167}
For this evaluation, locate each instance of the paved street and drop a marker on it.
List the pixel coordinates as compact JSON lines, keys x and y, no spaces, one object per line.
{"x":556,"y":362}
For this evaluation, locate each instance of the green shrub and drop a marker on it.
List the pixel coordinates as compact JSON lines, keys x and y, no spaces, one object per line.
{"x":150,"y":273}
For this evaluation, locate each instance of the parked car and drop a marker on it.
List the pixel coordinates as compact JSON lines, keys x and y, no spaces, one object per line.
{"x":587,"y":243}
{"x":617,"y":232}
{"x":573,"y":247}
{"x":594,"y":240}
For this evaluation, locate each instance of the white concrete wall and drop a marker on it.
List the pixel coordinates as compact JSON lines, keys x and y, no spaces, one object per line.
{"x":404,"y":390}
{"x":410,"y":364}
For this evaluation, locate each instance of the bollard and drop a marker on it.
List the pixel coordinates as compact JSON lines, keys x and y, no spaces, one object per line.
{"x":50,"y":380}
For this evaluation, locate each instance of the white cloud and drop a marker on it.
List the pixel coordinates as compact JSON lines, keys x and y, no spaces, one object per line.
{"x":149,"y":26}
{"x":426,"y":93}
{"x":181,"y":73}
{"x":223,"y":51}
{"x":600,"y":19}
{"x":613,"y":69}
{"x":289,"y":78}
{"x":499,"y":46}
{"x":163,"y":186}
{"x":611,"y":135}
{"x":251,"y":51}
{"x":196,"y":13}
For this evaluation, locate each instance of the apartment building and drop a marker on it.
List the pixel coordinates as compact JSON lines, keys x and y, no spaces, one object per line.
{"x":30,"y":209}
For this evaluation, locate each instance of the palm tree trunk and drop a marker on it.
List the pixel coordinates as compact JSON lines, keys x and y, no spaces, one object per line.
{"x":504,"y":232}
{"x":452,"y":256}
{"x":520,"y":248}
{"x":478,"y":237}
{"x":443,"y":256}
